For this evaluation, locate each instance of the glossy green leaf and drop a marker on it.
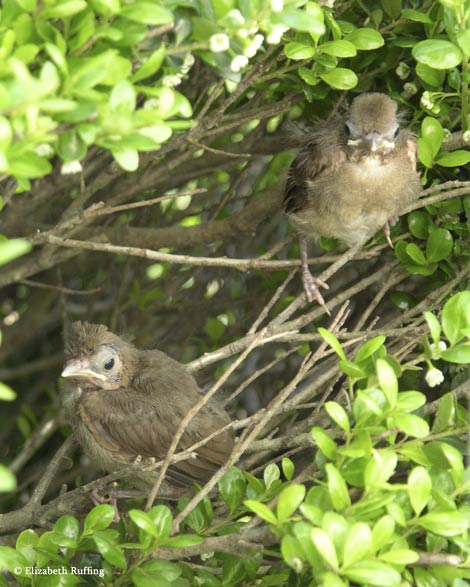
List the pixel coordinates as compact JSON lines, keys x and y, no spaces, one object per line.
{"x":419,"y":489}
{"x":128,"y":159}
{"x":326,"y":444}
{"x":366,"y":39}
{"x":151,"y":66}
{"x":340,"y":78}
{"x":387,"y":380}
{"x":454,"y":158}
{"x":416,"y":16}
{"x":289,"y":500}
{"x":455,"y":317}
{"x":6,"y":392}
{"x":459,"y":354}
{"x":411,"y":425}
{"x":232,"y":487}
{"x":261,"y":511}
{"x":99,"y":517}
{"x":325,"y":547}
{"x":338,"y":414}
{"x":434,"y":326}
{"x":437,"y":53}
{"x":448,"y":523}
{"x":432,"y":131}
{"x":369,"y":348}
{"x":416,"y":254}
{"x":109,"y":549}
{"x":337,"y":488}
{"x":332,"y":341}
{"x":340,"y":48}
{"x":418,"y":222}
{"x":7,"y":480}
{"x":9,"y":250}
{"x":372,"y":572}
{"x":288,"y":468}
{"x":299,"y":51}
{"x":147,"y":13}
{"x":300,"y":20}
{"x":144,"y":522}
{"x":358,"y":543}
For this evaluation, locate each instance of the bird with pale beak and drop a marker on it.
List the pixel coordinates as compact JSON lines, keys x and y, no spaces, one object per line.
{"x":351,"y":177}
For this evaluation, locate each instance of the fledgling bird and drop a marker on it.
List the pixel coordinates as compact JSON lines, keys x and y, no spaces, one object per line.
{"x":350,"y":178}
{"x":126,"y":404}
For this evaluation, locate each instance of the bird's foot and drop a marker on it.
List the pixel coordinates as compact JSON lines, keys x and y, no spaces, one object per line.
{"x":386,"y":231}
{"x":98,"y":499}
{"x":311,"y":288}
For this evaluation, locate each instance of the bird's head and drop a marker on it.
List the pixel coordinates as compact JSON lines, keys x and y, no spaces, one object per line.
{"x":372,"y":125}
{"x":98,"y":357}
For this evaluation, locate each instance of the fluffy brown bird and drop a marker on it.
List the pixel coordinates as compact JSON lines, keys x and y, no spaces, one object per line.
{"x":127,"y":404}
{"x":350,"y":178}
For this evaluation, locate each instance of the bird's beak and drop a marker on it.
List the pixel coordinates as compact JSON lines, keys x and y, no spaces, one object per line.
{"x":376,"y":142}
{"x":81,"y":369}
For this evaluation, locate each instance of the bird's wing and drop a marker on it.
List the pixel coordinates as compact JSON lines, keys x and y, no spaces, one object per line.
{"x":320,"y":156}
{"x":130,"y":426}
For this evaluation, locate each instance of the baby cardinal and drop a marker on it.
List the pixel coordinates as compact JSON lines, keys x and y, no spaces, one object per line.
{"x":126,"y":404}
{"x":350,"y":178}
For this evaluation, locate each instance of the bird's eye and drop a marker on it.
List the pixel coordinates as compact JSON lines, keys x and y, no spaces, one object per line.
{"x":109,"y":364}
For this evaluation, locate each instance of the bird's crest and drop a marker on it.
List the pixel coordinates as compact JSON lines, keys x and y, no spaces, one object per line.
{"x":85,"y":338}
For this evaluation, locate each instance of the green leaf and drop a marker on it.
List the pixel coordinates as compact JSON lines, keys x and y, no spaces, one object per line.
{"x":455,"y":317}
{"x":64,"y":9}
{"x":439,"y":245}
{"x":338,"y":414}
{"x":459,"y":354}
{"x":289,"y":500}
{"x":183,"y":540}
{"x":151,"y":66}
{"x":98,"y":518}
{"x":128,"y":159}
{"x":12,"y":560}
{"x":30,"y":166}
{"x":358,"y":543}
{"x":416,"y":254}
{"x":429,"y":75}
{"x":325,"y":547}
{"x":68,"y":526}
{"x":437,"y":53}
{"x":388,"y":381}
{"x":6,"y":393}
{"x":463,"y":40}
{"x":232,"y":487}
{"x":7,"y":480}
{"x":340,"y":78}
{"x":9,"y":250}
{"x":144,"y":522}
{"x":379,"y":469}
{"x":110,"y":551}
{"x":26,"y":544}
{"x":291,"y":551}
{"x":366,"y":39}
{"x":448,"y":523}
{"x":411,"y":425}
{"x":261,"y":511}
{"x":454,"y":159}
{"x":156,"y":573}
{"x":369,"y":348}
{"x":434,"y":327}
{"x":287,"y":468}
{"x":425,"y":153}
{"x":409,"y":401}
{"x":400,"y":556}
{"x":416,"y":16}
{"x":352,"y":370}
{"x":374,"y":573}
{"x":383,"y":532}
{"x":122,"y":98}
{"x":324,"y":442}
{"x":332,"y":341}
{"x":340,"y":48}
{"x":300,"y":21}
{"x":337,"y":488}
{"x":271,"y":474}
{"x":432,"y":131}
{"x":147,"y":13}
{"x":299,"y":51}
{"x":419,"y":489}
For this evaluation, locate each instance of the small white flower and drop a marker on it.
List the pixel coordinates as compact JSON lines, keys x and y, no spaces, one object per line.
{"x":243,"y":33}
{"x":403,"y":70}
{"x":238,"y":63}
{"x":436,"y":350}
{"x":44,"y":150}
{"x":466,"y":136}
{"x":253,"y":47}
{"x":170,"y":81}
{"x":71,"y":167}
{"x":426,"y":100}
{"x":219,"y":43}
{"x":403,"y":305}
{"x":277,"y":5}
{"x":410,"y":89}
{"x":235,"y":17}
{"x":434,"y":377}
{"x":151,"y":104}
{"x":275,"y":35}
{"x":188,"y":62}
